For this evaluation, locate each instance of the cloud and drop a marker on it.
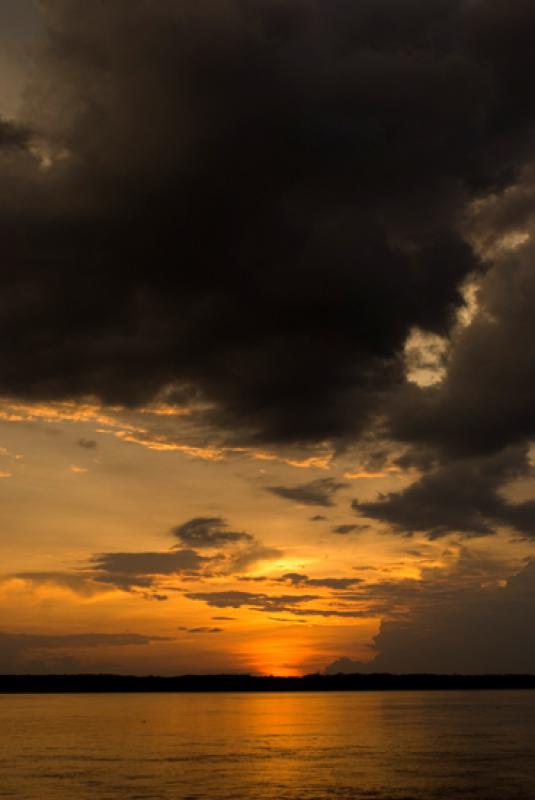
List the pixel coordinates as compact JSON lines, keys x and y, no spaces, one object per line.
{"x":471,"y":630}
{"x":203,"y":532}
{"x":344,"y":665}
{"x":287,"y":294}
{"x":241,"y":550}
{"x":13,"y":136}
{"x":270,"y":215}
{"x":482,"y":405}
{"x":247,"y":557}
{"x":35,"y":653}
{"x":150,"y":563}
{"x":73,"y":581}
{"x":262,"y":602}
{"x":318,"y":518}
{"x":463,"y":496}
{"x":143,"y":571}
{"x":320,"y":492}
{"x":349,"y":528}
{"x":88,"y":444}
{"x":202,"y":629}
{"x":296,"y":579}
{"x":288,"y":604}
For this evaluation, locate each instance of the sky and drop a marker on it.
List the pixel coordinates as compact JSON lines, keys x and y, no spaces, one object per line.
{"x":267,"y":336}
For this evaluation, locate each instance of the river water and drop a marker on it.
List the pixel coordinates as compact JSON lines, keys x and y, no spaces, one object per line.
{"x":319,"y":746}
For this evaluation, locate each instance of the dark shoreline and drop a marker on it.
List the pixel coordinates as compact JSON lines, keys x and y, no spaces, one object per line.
{"x":128,"y":684}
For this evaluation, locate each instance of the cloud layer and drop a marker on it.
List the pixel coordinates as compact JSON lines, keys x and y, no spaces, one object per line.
{"x":260,"y":206}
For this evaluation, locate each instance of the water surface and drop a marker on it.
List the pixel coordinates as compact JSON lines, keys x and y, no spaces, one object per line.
{"x":331,"y":746}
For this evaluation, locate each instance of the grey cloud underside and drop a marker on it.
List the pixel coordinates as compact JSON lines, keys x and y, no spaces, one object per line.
{"x":320,"y":492}
{"x":261,"y":204}
{"x":463,"y":495}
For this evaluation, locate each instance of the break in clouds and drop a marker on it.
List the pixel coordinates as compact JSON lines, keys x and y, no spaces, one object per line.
{"x":251,"y":205}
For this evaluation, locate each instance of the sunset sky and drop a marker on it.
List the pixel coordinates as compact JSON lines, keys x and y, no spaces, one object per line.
{"x":267,"y":352}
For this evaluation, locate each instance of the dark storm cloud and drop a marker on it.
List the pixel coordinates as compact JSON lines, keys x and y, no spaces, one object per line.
{"x":12,"y":136}
{"x":316,"y":493}
{"x":473,"y":630}
{"x":486,"y":399}
{"x":208,"y":532}
{"x":463,"y":495}
{"x":255,"y":202}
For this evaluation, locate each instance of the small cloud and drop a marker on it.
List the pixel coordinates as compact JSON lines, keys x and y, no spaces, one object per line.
{"x":5,"y":474}
{"x":205,"y":630}
{"x":201,"y":629}
{"x":350,"y":528}
{"x":318,"y":518}
{"x":316,"y":493}
{"x":87,"y":444}
{"x":208,"y":532}
{"x":76,"y":470}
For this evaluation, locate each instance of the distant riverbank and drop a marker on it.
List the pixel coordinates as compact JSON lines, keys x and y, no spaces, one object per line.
{"x":252,"y":683}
